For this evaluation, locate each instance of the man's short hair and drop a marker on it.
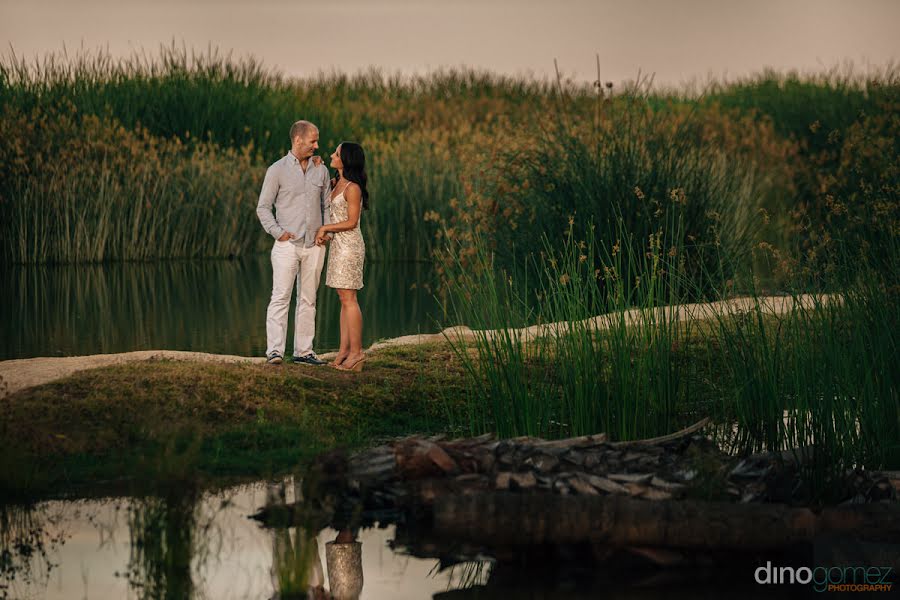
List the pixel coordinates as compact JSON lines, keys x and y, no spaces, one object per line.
{"x":301,"y":128}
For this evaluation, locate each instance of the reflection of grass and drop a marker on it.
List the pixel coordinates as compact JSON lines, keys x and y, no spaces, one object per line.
{"x":195,"y":305}
{"x":163,"y":421}
{"x":163,"y":544}
{"x":27,"y":546}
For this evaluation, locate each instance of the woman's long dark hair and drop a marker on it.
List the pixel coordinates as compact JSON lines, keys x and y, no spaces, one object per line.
{"x":354,"y":160}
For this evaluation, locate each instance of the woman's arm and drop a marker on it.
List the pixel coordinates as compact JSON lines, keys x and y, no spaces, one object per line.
{"x":353,"y":195}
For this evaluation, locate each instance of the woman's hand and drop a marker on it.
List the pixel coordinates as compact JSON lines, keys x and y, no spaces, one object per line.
{"x":321,"y":237}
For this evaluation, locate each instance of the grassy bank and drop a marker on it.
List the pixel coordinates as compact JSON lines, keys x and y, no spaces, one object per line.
{"x":820,"y":375}
{"x":141,"y":425}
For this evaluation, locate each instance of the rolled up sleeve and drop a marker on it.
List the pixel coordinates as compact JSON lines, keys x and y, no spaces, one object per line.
{"x":266,"y":202}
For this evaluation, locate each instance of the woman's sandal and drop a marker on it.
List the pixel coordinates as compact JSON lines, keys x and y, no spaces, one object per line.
{"x":356,"y":366}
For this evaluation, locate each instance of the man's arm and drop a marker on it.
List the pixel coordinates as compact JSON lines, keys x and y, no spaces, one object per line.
{"x":266,"y":201}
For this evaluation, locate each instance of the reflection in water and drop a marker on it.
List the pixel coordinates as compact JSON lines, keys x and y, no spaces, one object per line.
{"x":214,"y":306}
{"x":26,"y":544}
{"x":296,"y":568}
{"x":203,"y":546}
{"x":297,"y":564}
{"x":162,"y":545}
{"x":192,"y":545}
{"x":345,"y":573}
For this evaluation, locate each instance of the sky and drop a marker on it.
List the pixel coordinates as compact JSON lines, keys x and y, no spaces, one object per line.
{"x":679,"y":41}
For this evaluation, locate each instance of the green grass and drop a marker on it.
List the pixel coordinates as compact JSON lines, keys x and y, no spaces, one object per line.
{"x":161,"y":156}
{"x":116,"y":140}
{"x":833,"y":99}
{"x":157,"y":422}
{"x":632,"y":378}
{"x":822,"y":380}
{"x":822,"y":375}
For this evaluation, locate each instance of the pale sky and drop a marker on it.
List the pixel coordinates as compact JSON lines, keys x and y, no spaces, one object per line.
{"x":678,"y":40}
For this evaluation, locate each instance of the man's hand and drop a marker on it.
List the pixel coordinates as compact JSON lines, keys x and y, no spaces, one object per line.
{"x":287,"y":235}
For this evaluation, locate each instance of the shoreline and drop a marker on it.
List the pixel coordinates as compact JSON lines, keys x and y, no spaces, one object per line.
{"x":23,"y":373}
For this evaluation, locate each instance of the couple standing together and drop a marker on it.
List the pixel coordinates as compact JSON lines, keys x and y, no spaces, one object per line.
{"x":304,"y":209}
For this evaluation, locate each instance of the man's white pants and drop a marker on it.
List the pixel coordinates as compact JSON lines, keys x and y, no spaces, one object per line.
{"x":287,"y":260}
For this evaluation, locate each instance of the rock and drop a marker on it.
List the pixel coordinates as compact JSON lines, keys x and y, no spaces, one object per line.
{"x":686,"y":474}
{"x":486,"y":462}
{"x":660,"y":556}
{"x":561,"y":487}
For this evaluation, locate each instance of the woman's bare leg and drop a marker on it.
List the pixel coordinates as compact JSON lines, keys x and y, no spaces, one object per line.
{"x":353,"y":320}
{"x":344,"y":350}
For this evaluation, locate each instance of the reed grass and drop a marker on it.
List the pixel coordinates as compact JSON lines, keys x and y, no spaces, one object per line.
{"x":575,"y":376}
{"x":819,"y":381}
{"x":442,"y":146}
{"x":628,"y":168}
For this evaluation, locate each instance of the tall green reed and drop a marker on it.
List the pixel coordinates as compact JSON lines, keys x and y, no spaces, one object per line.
{"x":571,"y":373}
{"x":412,"y":178}
{"x":819,"y":382}
{"x":629,"y":165}
{"x":210,"y":95}
{"x":177,"y":209}
{"x":232,"y":116}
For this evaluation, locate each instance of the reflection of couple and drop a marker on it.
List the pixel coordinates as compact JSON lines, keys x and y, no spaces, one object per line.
{"x":297,"y":566}
{"x":307,"y":216}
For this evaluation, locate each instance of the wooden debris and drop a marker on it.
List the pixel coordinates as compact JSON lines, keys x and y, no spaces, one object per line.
{"x":528,"y":491}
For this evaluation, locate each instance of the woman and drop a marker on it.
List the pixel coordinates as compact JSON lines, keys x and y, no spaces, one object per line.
{"x":348,"y":251}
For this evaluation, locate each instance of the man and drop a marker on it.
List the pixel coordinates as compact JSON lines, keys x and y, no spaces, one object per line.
{"x":299,"y":188}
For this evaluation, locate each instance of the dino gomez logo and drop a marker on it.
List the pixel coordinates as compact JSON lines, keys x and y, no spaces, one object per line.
{"x":829,"y":579}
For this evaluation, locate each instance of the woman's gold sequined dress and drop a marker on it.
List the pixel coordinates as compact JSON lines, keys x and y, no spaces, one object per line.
{"x":347,"y":251}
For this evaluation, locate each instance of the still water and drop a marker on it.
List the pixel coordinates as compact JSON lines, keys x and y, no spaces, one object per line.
{"x":216,"y":306}
{"x":203,"y":547}
{"x":196,"y":545}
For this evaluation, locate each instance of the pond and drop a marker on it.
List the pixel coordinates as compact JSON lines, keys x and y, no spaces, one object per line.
{"x":216,"y":306}
{"x":201,"y":547}
{"x":192,"y":544}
